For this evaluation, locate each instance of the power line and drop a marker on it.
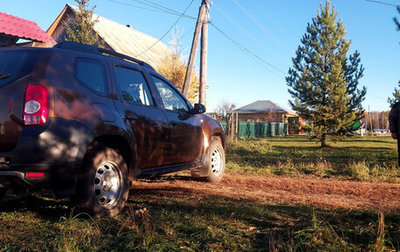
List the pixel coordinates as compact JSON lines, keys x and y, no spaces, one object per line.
{"x":135,"y":6}
{"x":151,"y":7}
{"x":249,"y":52}
{"x":271,"y":20}
{"x":262,"y":27}
{"x":159,"y":6}
{"x":246,"y":32}
{"x":382,"y":3}
{"x":165,"y":34}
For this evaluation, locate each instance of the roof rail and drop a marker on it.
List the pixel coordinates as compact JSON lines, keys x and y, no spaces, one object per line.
{"x":69,"y":45}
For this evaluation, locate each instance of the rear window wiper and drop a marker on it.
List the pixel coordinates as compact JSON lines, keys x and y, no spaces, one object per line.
{"x":4,"y":76}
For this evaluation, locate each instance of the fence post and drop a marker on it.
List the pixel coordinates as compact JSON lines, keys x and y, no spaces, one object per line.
{"x":237,"y":126}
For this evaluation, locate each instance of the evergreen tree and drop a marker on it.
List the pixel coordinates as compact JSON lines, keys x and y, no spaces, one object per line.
{"x":80,"y":29}
{"x":323,"y":80}
{"x":396,"y":96}
{"x":396,"y":93}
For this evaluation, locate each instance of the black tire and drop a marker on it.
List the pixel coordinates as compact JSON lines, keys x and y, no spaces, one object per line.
{"x":103,"y":186}
{"x":215,"y":163}
{"x":3,"y":192}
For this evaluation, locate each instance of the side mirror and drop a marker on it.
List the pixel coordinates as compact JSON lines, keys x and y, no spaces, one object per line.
{"x":198,"y":109}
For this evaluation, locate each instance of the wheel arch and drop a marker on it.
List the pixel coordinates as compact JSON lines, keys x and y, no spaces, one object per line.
{"x":220,"y":137}
{"x":120,"y":144}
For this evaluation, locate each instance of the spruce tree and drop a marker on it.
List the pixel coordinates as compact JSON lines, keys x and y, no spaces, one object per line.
{"x":396,"y":93}
{"x":396,"y":96}
{"x":323,"y":81}
{"x":81,"y":28}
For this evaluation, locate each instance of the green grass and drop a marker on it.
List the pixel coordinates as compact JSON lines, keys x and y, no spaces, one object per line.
{"x":361,"y":158}
{"x":159,"y":220}
{"x":154,"y":222}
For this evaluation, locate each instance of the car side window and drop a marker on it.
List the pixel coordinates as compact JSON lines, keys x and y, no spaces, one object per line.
{"x":91,"y":74}
{"x":133,"y":86}
{"x":170,"y":98}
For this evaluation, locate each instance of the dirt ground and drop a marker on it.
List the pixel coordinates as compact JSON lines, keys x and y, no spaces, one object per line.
{"x":331,"y":193}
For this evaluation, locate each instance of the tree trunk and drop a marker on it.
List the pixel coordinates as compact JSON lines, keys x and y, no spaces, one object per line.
{"x":323,"y":140}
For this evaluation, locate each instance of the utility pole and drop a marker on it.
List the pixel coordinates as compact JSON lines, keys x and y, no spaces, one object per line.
{"x":370,"y":120}
{"x":203,"y":55}
{"x":201,"y":19}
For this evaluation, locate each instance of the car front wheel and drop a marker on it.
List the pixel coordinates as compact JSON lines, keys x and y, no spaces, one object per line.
{"x":215,"y":162}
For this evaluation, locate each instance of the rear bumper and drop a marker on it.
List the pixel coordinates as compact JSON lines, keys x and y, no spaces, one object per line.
{"x":57,"y":142}
{"x":13,"y":179}
{"x":55,"y":149}
{"x":61,"y":180}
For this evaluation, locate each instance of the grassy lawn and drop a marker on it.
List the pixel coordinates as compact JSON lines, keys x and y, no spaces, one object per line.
{"x":153,"y":222}
{"x":362,"y":158}
{"x":159,"y":220}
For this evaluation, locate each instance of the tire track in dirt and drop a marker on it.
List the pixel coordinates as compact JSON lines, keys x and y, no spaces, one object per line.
{"x":331,"y":193}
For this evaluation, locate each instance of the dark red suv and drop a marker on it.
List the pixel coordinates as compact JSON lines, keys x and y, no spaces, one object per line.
{"x":83,"y":122}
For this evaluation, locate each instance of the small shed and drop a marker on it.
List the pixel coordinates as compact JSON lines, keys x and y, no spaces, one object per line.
{"x":13,"y":28}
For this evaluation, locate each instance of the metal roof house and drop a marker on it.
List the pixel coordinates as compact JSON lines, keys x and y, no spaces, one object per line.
{"x":268,"y":111}
{"x":264,"y":111}
{"x":13,"y":28}
{"x":116,"y":37}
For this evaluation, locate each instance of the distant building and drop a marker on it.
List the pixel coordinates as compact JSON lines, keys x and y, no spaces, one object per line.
{"x":116,"y":37}
{"x":14,"y":28}
{"x":267,"y":111}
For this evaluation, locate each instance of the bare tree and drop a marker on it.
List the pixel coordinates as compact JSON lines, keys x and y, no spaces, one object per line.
{"x":224,"y":108}
{"x":378,"y":119}
{"x":173,"y":67}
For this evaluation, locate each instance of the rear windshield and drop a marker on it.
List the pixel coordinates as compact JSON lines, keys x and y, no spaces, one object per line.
{"x":14,"y":64}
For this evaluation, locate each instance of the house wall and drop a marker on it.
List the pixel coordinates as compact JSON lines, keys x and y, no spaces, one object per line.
{"x":263,"y":117}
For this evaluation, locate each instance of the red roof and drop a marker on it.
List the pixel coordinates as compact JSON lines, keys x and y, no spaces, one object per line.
{"x":22,"y":28}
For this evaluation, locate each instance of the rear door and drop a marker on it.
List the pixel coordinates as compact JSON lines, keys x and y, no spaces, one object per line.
{"x":185,"y":129}
{"x":15,"y":67}
{"x":138,"y":107}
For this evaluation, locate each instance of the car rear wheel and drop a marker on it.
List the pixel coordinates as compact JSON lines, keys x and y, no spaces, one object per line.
{"x":103,"y":187}
{"x":3,"y":192}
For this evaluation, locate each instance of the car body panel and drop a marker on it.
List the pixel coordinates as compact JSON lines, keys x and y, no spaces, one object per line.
{"x":154,"y":139}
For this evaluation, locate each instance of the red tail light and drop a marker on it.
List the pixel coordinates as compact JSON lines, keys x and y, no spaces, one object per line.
{"x":35,"y":175}
{"x":36,"y":107}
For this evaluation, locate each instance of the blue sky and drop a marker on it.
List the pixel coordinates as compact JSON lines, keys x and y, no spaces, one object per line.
{"x":270,"y":29}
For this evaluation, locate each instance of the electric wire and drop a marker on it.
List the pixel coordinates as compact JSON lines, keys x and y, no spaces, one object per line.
{"x":382,"y":3}
{"x":150,"y":7}
{"x":271,"y":20}
{"x":135,"y":6}
{"x":262,"y":27}
{"x":166,"y":10}
{"x":165,"y":34}
{"x":161,"y":7}
{"x":249,"y":52}
{"x":249,"y":35}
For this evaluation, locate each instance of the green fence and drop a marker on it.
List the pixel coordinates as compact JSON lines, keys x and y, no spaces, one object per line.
{"x":259,"y":129}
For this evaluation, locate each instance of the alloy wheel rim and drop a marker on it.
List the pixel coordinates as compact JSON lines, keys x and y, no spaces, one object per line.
{"x":107,"y":184}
